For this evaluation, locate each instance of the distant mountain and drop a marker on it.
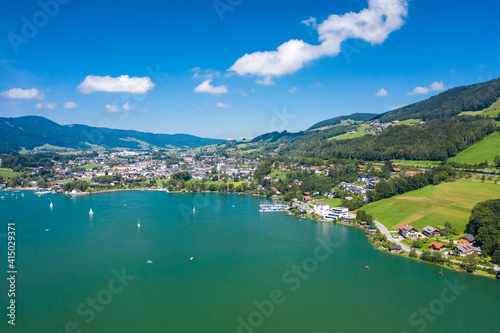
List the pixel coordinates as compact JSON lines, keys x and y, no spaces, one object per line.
{"x":475,"y":97}
{"x":34,"y":131}
{"x":338,"y":120}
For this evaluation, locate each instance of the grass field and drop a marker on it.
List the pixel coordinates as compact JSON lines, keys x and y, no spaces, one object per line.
{"x":8,"y":173}
{"x":433,"y":205}
{"x":90,"y":166}
{"x":423,"y":164}
{"x":487,"y":148}
{"x":350,"y":135}
{"x":335,"y":202}
{"x":493,"y":111}
{"x":409,"y":121}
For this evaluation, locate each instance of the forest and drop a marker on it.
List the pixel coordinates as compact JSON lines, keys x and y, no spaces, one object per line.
{"x":484,"y":225}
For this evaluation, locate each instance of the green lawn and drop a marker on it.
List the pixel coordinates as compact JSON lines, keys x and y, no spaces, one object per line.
{"x":90,"y":166}
{"x":415,"y":163}
{"x":8,"y":173}
{"x":493,"y":111}
{"x":409,"y":121}
{"x":350,"y":135}
{"x":487,"y":148}
{"x":433,"y":205}
{"x":335,"y":202}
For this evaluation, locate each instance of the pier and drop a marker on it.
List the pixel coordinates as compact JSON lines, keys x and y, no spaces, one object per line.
{"x":264,"y":208}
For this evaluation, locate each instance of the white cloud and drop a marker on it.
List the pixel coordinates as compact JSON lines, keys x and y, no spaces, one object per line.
{"x":205,"y":86}
{"x":221,"y":105}
{"x":123,"y":83}
{"x":32,"y":93}
{"x":436,"y":86}
{"x":381,"y":92}
{"x":394,"y":107}
{"x":292,"y":90}
{"x":373,"y":24}
{"x":70,"y":105}
{"x":204,"y":74}
{"x":127,"y":106}
{"x":50,"y":106}
{"x":112,"y":108}
{"x":266,"y":81}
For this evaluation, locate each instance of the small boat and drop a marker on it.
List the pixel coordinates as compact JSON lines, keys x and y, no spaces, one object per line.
{"x":149,"y":261}
{"x":138,"y":222}
{"x":194,"y":209}
{"x":441,"y":271}
{"x":51,"y":205}
{"x":191,"y":258}
{"x":91,"y":212}
{"x":367,"y":266}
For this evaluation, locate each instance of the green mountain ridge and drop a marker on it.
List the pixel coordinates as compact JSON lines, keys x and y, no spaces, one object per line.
{"x":34,"y":131}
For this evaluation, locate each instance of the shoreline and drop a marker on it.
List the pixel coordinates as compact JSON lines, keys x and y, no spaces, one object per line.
{"x":380,"y":248}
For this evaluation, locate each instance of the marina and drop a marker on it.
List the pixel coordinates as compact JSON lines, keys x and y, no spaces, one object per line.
{"x":265,"y":208}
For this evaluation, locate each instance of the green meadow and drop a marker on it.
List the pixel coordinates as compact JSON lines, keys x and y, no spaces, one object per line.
{"x":423,"y":164}
{"x":350,"y":135}
{"x":434,"y":205}
{"x":8,"y":173}
{"x":493,"y":111}
{"x":335,"y":202}
{"x":487,"y":148}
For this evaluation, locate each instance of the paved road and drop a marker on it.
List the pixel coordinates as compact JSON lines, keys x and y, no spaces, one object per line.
{"x":386,"y":232}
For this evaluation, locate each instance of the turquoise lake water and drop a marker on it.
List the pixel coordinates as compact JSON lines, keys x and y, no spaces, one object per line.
{"x":225,"y":268}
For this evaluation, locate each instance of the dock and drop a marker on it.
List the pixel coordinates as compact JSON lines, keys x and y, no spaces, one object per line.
{"x":265,"y":208}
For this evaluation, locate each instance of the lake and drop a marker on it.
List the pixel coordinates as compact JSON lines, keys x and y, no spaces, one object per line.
{"x":224,"y":268}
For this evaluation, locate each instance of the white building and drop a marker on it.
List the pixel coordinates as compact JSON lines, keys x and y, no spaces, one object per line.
{"x":337,"y":212}
{"x":321,"y":208}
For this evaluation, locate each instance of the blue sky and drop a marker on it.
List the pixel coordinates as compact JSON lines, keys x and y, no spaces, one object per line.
{"x":180,"y":67}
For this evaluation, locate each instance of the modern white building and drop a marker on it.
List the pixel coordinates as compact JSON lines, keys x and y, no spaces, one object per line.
{"x":321,"y":208}
{"x":337,"y":212}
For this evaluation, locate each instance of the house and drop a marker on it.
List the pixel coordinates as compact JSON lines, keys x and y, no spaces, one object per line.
{"x":396,"y":170}
{"x":430,"y":231}
{"x":466,"y":249}
{"x":394,"y":248}
{"x":437,"y":246}
{"x":407,"y":231}
{"x":467,"y":239}
{"x":321,"y":208}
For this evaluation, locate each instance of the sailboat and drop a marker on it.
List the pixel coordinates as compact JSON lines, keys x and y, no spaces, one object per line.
{"x":91,"y":212}
{"x":51,"y":205}
{"x":194,"y":209}
{"x":441,"y":272}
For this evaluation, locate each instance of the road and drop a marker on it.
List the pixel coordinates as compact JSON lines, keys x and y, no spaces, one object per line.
{"x":386,"y":232}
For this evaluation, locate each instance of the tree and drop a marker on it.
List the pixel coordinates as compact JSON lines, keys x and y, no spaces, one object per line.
{"x":426,"y":256}
{"x":413,"y":253}
{"x":417,"y":243}
{"x":470,"y":262}
{"x":497,"y":160}
{"x":495,"y":258}
{"x":451,"y":244}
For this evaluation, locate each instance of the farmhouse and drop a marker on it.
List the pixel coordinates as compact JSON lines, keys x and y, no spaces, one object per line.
{"x":430,"y":231}
{"x":467,"y":239}
{"x":407,"y":231}
{"x":394,"y":248}
{"x":437,"y":246}
{"x":466,"y":249}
